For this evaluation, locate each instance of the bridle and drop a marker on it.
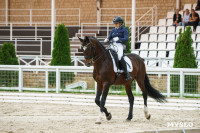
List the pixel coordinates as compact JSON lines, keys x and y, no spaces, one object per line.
{"x":92,"y":57}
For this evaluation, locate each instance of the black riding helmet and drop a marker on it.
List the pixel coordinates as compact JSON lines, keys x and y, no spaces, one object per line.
{"x":118,"y":19}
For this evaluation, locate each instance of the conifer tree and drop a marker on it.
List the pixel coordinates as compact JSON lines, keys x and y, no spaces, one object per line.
{"x":185,"y":58}
{"x":61,"y":56}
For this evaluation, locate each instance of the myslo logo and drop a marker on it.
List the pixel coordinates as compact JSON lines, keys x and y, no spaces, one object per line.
{"x":180,"y":124}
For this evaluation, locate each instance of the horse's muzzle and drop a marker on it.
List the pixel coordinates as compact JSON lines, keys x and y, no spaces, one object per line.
{"x":88,"y":63}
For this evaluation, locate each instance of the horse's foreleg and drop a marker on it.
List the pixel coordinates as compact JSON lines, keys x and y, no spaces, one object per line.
{"x":102,"y":104}
{"x":131,"y":101}
{"x":97,"y":100}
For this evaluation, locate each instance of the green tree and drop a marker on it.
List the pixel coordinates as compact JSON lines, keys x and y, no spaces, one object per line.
{"x":185,"y":58}
{"x":61,"y":55}
{"x":128,"y":43}
{"x":8,"y":57}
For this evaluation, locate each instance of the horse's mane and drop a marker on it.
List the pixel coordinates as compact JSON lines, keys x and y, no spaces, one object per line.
{"x":97,"y":41}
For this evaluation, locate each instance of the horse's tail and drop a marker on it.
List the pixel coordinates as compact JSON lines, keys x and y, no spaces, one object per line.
{"x":152,"y":92}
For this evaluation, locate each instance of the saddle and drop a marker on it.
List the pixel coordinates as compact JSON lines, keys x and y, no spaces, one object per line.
{"x":116,"y":64}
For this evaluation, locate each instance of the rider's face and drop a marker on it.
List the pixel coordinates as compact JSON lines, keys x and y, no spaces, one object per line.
{"x":117,"y":25}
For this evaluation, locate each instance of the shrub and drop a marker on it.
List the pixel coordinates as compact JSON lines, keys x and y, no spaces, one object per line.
{"x":185,"y":58}
{"x":128,"y":43}
{"x":8,"y":57}
{"x":61,"y":55}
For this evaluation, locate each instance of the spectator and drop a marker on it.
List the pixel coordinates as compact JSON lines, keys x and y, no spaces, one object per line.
{"x":176,"y":18}
{"x":198,"y":5}
{"x":194,"y":19}
{"x":186,"y":18}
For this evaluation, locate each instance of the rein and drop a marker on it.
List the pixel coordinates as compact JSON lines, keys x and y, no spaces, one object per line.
{"x":92,"y":58}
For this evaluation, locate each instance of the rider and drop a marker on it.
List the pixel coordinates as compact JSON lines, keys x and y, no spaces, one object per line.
{"x":119,"y":36}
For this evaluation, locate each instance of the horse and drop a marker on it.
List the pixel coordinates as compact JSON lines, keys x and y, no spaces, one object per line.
{"x":95,"y":53}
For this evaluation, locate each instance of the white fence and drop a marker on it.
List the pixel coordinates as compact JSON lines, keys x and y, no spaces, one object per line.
{"x":171,"y":82}
{"x":46,"y":60}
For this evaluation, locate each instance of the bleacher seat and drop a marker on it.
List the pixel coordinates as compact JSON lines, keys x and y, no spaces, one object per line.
{"x":178,"y":29}
{"x":144,"y":46}
{"x":143,"y":54}
{"x":153,"y":38}
{"x":194,"y":5}
{"x":198,"y":29}
{"x":187,"y":6}
{"x":144,"y":38}
{"x":194,"y":37}
{"x":194,"y":45}
{"x":153,"y":29}
{"x":161,"y":38}
{"x":198,"y":55}
{"x":171,"y":29}
{"x":153,"y":46}
{"x":152,"y":54}
{"x":171,"y":54}
{"x":181,"y":12}
{"x":171,"y":63}
{"x":135,"y":52}
{"x":161,"y":46}
{"x":162,"y":22}
{"x":177,"y":35}
{"x":164,"y":63}
{"x":198,"y":46}
{"x":162,"y":30}
{"x":171,"y":46}
{"x":170,"y":37}
{"x":161,"y":54}
{"x":169,"y":22}
{"x":170,"y":14}
{"x":198,"y":38}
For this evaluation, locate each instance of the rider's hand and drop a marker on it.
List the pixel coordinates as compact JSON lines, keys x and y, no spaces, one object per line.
{"x":115,"y":39}
{"x":106,"y":40}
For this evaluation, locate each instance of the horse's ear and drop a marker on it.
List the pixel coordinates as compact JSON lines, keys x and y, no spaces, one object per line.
{"x":80,"y":39}
{"x":87,"y":38}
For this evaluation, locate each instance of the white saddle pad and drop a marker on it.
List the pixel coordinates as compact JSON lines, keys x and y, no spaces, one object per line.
{"x":128,"y":64}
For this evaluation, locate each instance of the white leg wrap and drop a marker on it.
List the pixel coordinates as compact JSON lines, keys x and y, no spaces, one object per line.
{"x":146,"y":111}
{"x":99,"y":117}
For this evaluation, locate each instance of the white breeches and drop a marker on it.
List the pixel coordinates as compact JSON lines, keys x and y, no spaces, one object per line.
{"x":118,"y":47}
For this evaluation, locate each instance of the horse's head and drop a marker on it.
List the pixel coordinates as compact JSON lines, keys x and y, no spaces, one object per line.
{"x":89,"y":50}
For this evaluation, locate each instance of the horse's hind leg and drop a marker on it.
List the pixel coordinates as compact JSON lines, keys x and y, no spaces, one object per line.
{"x":131,"y":101}
{"x":140,"y":82}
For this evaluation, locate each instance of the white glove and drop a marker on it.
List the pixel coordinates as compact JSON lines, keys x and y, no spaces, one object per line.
{"x":115,"y":39}
{"x":106,"y":40}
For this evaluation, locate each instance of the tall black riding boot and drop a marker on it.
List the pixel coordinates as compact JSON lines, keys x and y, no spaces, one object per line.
{"x":123,"y":64}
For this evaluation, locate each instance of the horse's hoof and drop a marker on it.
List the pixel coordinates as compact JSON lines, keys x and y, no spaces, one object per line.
{"x":97,"y":122}
{"x":128,"y":120}
{"x":148,"y":118}
{"x":109,"y":117}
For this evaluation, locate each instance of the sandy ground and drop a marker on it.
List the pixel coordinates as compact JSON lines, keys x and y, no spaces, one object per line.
{"x":54,"y":118}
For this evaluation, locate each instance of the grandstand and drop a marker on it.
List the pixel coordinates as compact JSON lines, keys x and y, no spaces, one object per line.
{"x":27,"y":25}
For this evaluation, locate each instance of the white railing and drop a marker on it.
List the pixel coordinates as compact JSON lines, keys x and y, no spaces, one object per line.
{"x":16,"y":44}
{"x":110,"y":13}
{"x":160,"y":77}
{"x":145,"y":21}
{"x":46,"y":60}
{"x":37,"y":16}
{"x":98,"y":25}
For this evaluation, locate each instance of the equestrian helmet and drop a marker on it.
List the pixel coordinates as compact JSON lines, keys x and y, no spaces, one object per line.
{"x":118,"y":19}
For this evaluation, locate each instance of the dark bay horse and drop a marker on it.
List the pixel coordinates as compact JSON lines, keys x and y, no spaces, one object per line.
{"x":104,"y":75}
